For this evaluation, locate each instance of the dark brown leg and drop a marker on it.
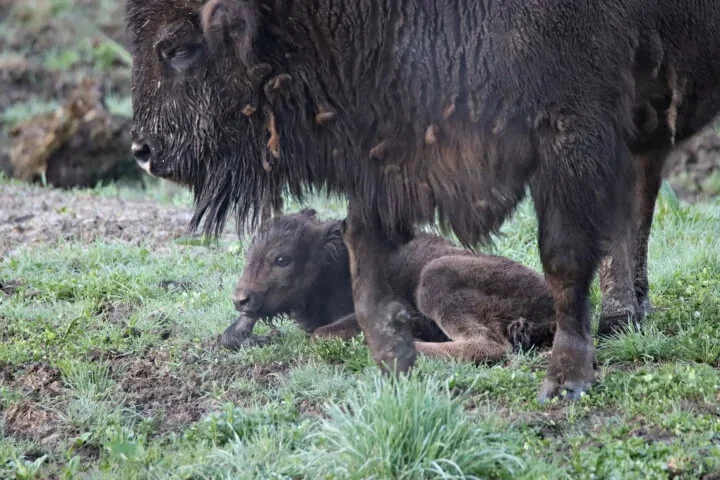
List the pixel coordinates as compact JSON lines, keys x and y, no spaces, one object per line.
{"x":623,"y":273}
{"x":617,"y":272}
{"x":649,"y":170}
{"x":238,"y":333}
{"x":385,"y":321}
{"x":578,"y":193}
{"x":345,"y":328}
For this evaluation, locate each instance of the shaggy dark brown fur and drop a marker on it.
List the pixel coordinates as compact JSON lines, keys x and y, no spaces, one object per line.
{"x":468,"y":307}
{"x":420,"y":110}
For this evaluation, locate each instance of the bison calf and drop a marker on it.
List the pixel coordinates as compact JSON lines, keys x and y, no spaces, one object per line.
{"x":470,"y":307}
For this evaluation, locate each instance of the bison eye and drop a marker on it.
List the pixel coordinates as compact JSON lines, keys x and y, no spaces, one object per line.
{"x":181,"y":57}
{"x":282,"y":261}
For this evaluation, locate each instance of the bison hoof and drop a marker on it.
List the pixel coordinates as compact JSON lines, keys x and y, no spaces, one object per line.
{"x":614,"y":323}
{"x":572,"y":368}
{"x":390,"y":338}
{"x":568,"y":390}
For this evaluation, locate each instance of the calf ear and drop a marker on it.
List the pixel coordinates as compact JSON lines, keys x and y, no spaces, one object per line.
{"x":231,"y":24}
{"x":333,"y":242}
{"x":308,"y":212}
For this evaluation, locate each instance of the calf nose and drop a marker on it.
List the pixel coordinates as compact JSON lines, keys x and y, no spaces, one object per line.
{"x":246,"y":301}
{"x":143,"y":153}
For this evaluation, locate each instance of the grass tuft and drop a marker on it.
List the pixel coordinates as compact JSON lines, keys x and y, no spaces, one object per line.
{"x":407,"y":429}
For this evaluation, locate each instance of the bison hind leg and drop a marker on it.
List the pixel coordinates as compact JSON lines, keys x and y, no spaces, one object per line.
{"x":623,"y":274}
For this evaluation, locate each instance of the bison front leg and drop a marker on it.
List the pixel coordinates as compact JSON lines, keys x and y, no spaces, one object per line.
{"x":384,"y":319}
{"x":623,"y":273}
{"x":578,"y":194}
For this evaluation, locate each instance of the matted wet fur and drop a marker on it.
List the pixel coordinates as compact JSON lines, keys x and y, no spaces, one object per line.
{"x":435,"y":109}
{"x":469,"y":307}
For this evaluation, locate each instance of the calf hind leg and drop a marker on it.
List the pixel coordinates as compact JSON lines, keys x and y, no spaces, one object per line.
{"x":472,"y":300}
{"x":344,"y":328}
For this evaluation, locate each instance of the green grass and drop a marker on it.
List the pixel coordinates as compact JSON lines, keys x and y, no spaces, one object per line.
{"x":20,"y":112}
{"x":106,"y":372}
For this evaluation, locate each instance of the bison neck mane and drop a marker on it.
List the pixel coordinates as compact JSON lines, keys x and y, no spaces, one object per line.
{"x":418,"y":122}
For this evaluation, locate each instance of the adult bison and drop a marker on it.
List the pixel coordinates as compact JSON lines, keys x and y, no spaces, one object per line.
{"x":435,"y":109}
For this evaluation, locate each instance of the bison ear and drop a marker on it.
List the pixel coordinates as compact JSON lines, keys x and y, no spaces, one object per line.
{"x":230,"y":24}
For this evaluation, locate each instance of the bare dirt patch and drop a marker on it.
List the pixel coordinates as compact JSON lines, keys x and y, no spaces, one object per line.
{"x":31,"y":216}
{"x":35,"y":380}
{"x":652,"y":434}
{"x":152,"y":388}
{"x":31,"y":421}
{"x":29,"y":418}
{"x":693,"y":169}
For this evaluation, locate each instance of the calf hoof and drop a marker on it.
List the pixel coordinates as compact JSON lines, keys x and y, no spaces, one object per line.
{"x":237,"y":334}
{"x":390,"y":338}
{"x":572,"y":368}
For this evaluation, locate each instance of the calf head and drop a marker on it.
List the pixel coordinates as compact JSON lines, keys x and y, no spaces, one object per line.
{"x":197,"y":110}
{"x":285,"y":263}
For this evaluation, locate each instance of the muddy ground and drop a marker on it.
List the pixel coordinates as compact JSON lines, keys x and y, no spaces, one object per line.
{"x":31,"y":215}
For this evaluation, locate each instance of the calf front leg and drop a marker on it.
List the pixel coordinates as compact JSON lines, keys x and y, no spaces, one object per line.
{"x":238,"y":333}
{"x":384,"y":319}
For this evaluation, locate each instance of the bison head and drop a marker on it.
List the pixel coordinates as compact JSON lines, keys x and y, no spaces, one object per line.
{"x":195,"y":91}
{"x":284,"y":263}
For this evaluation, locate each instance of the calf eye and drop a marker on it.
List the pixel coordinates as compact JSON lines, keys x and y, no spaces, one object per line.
{"x":282,"y":261}
{"x":181,"y":57}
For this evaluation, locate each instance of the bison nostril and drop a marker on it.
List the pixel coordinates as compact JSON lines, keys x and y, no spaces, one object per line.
{"x":244,"y":302}
{"x":142,"y":153}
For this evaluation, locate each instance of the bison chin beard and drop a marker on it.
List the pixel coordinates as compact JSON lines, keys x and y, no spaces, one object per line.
{"x":232,"y":181}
